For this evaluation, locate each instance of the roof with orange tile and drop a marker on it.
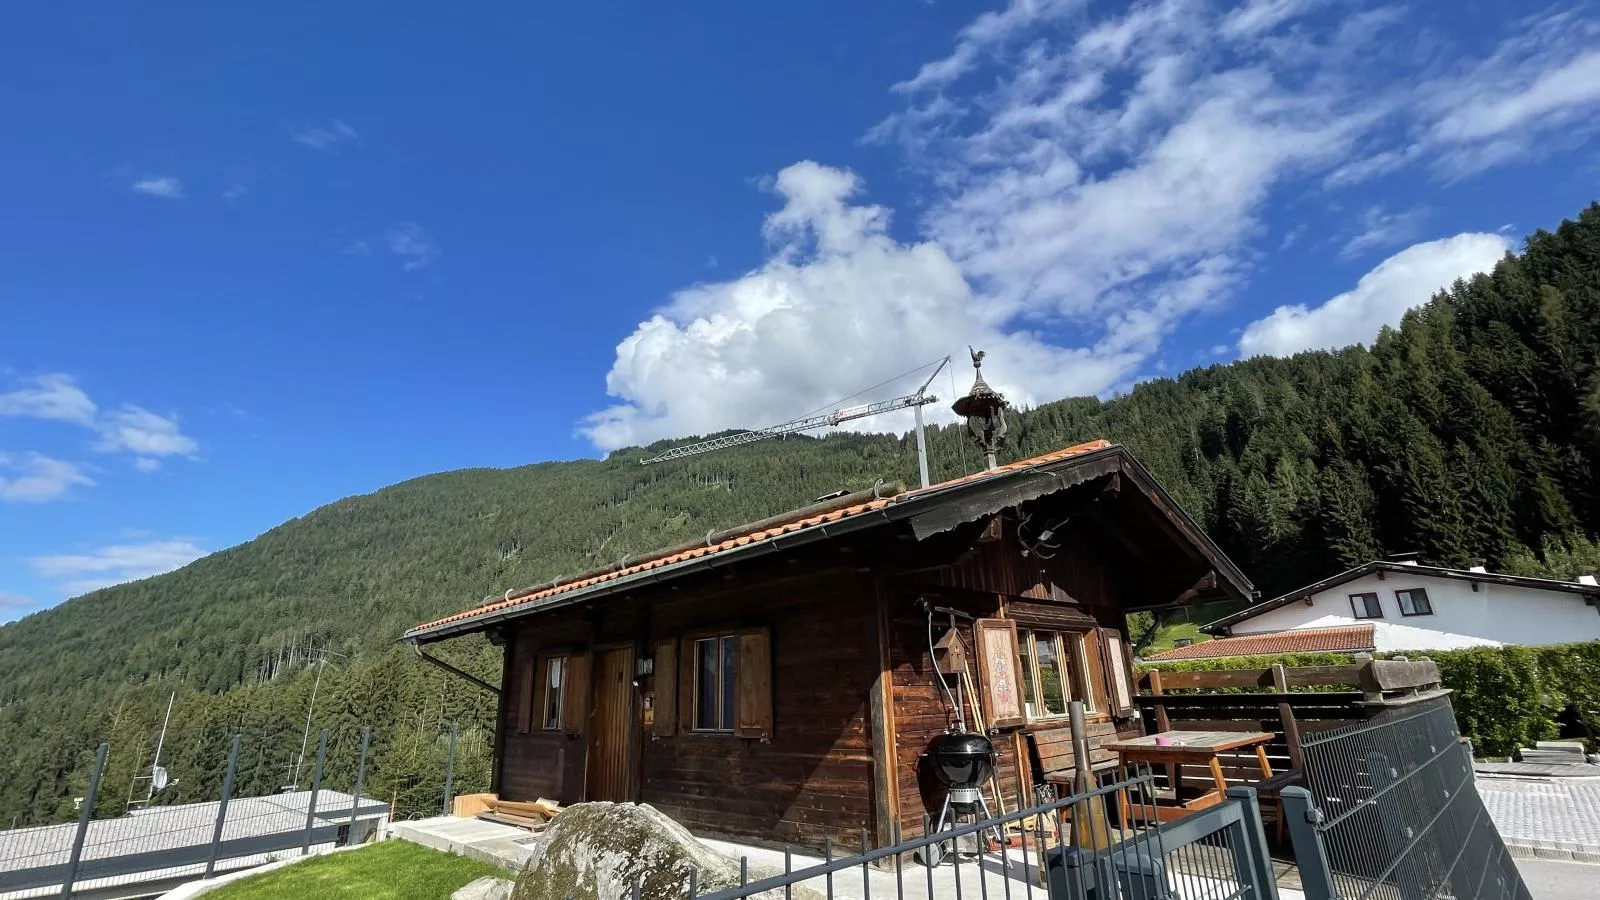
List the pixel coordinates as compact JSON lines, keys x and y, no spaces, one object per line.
{"x":519,"y":602}
{"x":1342,"y":638}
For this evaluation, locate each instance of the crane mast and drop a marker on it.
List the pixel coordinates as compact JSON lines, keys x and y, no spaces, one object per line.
{"x":913,"y":401}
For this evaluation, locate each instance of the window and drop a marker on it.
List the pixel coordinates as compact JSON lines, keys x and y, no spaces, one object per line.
{"x":1366,"y":606}
{"x":555,"y":670}
{"x":1414,"y":602}
{"x":713,"y":682}
{"x":1053,"y":672}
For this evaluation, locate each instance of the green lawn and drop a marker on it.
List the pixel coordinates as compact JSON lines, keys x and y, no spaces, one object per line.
{"x":1168,"y":635}
{"x":392,"y":869}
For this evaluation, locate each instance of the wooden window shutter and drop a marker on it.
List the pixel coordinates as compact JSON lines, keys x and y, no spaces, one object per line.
{"x":999,"y":672}
{"x":527,"y":687}
{"x":575,"y":705}
{"x":752,"y":717}
{"x":685,"y":685}
{"x":1114,"y":656}
{"x":666,"y":689}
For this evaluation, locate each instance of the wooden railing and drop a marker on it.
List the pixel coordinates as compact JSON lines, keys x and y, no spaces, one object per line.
{"x":1266,"y":699}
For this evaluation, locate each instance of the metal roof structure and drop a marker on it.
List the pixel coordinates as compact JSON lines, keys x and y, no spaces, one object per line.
{"x":159,"y":842}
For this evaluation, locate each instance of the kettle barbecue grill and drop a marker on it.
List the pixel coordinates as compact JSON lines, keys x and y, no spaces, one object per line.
{"x":961,"y":761}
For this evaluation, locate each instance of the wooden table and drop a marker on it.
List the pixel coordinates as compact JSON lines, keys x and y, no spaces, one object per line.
{"x":1202,"y":748}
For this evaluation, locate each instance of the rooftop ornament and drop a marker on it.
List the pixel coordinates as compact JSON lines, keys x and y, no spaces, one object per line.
{"x":985,"y":412}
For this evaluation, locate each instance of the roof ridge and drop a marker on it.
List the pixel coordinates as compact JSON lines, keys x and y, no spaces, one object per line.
{"x":771,"y":527}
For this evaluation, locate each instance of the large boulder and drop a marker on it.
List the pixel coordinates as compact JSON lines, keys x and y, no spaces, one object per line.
{"x":595,"y":851}
{"x":486,"y":888}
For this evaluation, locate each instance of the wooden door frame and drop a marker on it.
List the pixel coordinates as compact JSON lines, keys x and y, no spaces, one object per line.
{"x":632,"y":761}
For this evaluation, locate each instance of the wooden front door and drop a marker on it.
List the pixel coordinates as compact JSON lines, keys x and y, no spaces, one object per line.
{"x":611,"y":728}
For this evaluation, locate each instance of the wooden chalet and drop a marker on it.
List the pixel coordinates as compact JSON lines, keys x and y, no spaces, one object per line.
{"x":774,"y":683}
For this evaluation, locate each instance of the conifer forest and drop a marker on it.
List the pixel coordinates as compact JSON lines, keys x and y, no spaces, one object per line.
{"x":1471,"y":431}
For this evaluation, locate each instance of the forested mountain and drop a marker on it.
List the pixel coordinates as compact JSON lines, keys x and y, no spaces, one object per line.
{"x":1471,"y":431}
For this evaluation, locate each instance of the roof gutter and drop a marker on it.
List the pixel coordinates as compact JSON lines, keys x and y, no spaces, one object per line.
{"x":453,"y":670}
{"x":654,"y":576}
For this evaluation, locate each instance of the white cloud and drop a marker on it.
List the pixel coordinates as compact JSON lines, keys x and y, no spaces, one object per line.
{"x":1381,"y":228}
{"x":79,"y":573}
{"x":137,"y":430}
{"x":1093,"y":177}
{"x":132,"y":429}
{"x":51,"y":396}
{"x":1257,"y":16}
{"x":981,"y":35}
{"x":412,"y":244}
{"x":1407,"y":279}
{"x":837,"y":306}
{"x":327,"y":137}
{"x":164,"y":186}
{"x":14,"y":605}
{"x":1539,"y":88}
{"x":36,"y":478}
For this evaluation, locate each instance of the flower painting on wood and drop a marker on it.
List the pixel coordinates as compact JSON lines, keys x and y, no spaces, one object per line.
{"x":998,"y":671}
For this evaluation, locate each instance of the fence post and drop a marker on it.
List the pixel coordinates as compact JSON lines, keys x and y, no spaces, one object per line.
{"x":1255,"y":839}
{"x":316,"y":787}
{"x":450,"y":772}
{"x":361,"y":778}
{"x":84,"y":815}
{"x":1316,"y":877}
{"x":222,"y":808}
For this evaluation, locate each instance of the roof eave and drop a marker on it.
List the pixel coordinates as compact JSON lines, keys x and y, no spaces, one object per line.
{"x":904,"y":507}
{"x":1221,"y":626}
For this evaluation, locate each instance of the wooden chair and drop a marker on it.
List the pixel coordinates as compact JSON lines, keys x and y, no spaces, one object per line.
{"x":1269,"y":793}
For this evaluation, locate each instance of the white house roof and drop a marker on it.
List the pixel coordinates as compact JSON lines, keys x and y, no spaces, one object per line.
{"x":1589,"y":592}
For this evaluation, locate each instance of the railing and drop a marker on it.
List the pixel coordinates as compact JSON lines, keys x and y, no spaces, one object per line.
{"x":1390,"y":812}
{"x":1068,"y":849}
{"x":250,"y":801}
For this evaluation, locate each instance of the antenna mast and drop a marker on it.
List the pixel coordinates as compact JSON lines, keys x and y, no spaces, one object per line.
{"x":914,"y":401}
{"x":156,"y":781}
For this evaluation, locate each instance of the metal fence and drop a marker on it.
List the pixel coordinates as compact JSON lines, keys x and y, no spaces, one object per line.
{"x":1390,"y":812}
{"x":1105,"y":844}
{"x":238,"y":804}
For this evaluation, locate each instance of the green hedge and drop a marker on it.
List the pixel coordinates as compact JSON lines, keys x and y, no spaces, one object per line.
{"x":1504,"y":697}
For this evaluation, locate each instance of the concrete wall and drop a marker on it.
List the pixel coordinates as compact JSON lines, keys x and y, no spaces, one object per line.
{"x":1492,"y":615}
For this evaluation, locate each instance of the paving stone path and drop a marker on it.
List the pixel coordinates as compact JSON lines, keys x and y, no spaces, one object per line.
{"x":1561,"y":816}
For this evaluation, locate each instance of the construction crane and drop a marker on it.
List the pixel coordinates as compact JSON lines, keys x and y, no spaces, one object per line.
{"x":914,"y":401}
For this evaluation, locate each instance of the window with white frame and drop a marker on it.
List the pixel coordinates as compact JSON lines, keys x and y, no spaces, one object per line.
{"x":713,"y":682}
{"x":555,"y":672}
{"x":1054,"y":672}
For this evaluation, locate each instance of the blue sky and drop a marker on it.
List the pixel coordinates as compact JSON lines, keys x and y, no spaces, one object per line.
{"x":252,"y":261}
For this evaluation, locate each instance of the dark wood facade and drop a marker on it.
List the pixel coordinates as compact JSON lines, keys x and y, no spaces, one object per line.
{"x":835,"y":693}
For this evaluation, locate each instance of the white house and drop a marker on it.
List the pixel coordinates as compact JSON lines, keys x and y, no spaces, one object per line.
{"x":1416,"y":607}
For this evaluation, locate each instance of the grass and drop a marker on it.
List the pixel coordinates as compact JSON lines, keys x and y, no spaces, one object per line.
{"x":1167,"y":637}
{"x":390,"y":869}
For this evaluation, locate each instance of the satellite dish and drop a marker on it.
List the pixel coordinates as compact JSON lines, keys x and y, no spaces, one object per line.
{"x":158,"y":778}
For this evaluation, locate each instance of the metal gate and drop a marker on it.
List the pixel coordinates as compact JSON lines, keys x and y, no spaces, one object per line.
{"x":1390,"y":812}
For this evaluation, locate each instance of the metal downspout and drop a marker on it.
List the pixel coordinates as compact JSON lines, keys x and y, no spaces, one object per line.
{"x":417,"y":646}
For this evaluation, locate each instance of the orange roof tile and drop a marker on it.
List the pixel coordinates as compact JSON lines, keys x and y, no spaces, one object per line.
{"x":662,"y":561}
{"x":1341,"y":638}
